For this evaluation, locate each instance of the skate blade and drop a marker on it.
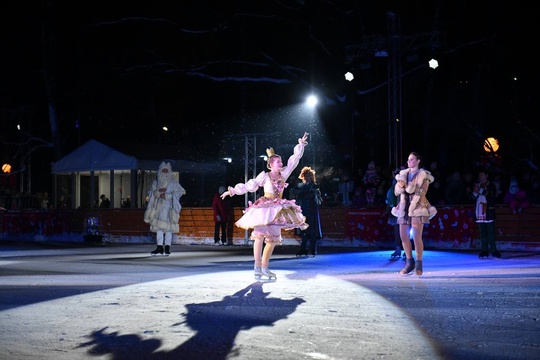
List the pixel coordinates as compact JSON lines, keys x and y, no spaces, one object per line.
{"x":406,"y":274}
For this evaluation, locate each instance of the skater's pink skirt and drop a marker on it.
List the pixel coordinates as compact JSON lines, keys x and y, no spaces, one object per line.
{"x":285,"y":214}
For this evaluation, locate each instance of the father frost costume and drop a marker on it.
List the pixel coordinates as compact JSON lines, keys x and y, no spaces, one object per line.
{"x":163,"y":210}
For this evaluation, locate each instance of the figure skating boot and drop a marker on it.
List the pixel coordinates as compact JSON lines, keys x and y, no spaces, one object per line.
{"x":167,"y":250}
{"x":302,"y":252}
{"x":483,"y":255}
{"x":158,"y":251}
{"x":409,"y":266}
{"x":418,"y":267}
{"x":395,"y":255}
{"x":268,"y":273}
{"x":496,"y":254}
{"x":257,"y":272}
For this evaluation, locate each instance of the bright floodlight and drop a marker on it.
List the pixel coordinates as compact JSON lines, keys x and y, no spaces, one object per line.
{"x":433,"y":63}
{"x":311,"y":101}
{"x":349,"y":76}
{"x":165,"y":128}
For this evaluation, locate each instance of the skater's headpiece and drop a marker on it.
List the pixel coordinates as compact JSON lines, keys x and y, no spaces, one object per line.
{"x":271,"y":155}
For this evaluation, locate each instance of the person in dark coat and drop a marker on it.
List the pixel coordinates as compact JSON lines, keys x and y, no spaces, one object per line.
{"x":105,"y":202}
{"x":484,"y":193}
{"x":310,"y":198}
{"x":221,"y":216}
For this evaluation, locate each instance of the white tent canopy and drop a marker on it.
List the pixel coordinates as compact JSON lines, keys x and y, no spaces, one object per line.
{"x":94,"y":156}
{"x":95,"y":168}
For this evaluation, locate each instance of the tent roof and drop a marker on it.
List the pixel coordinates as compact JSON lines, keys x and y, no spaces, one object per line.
{"x":94,"y":156}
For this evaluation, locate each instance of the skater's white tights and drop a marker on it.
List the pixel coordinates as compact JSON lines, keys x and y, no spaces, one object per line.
{"x":262,"y":257}
{"x":160,"y":235}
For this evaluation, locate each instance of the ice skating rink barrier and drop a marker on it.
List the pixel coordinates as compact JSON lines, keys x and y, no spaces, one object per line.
{"x":452,"y":228}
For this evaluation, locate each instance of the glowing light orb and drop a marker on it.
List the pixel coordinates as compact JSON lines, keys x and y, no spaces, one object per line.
{"x":312,"y":101}
{"x":6,"y":168}
{"x":349,"y":76}
{"x":491,"y":145}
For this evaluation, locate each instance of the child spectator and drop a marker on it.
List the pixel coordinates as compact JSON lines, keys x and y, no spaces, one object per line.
{"x":516,"y":198}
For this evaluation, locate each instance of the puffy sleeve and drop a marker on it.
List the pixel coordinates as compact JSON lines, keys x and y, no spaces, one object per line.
{"x":401,"y":176}
{"x":251,"y":186}
{"x":293,"y":161}
{"x":151,"y":193}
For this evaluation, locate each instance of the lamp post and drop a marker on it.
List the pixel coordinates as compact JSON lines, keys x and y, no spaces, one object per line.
{"x":311,"y":103}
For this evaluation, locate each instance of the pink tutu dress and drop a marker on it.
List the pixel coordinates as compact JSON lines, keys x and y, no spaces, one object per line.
{"x":271,"y":213}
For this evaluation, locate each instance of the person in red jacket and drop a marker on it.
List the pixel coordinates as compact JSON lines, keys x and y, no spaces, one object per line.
{"x":221,"y":216}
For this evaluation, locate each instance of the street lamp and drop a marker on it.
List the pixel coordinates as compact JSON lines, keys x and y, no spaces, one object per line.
{"x":491,"y":145}
{"x":6,"y":168}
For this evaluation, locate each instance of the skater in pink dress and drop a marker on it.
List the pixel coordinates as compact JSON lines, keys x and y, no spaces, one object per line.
{"x":270,"y":213}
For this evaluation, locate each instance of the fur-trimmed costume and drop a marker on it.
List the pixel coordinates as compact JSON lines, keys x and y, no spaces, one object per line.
{"x":412,"y":198}
{"x":163,"y":213}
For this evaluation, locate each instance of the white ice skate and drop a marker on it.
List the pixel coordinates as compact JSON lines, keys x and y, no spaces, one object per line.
{"x":257,"y":272}
{"x":270,"y":275}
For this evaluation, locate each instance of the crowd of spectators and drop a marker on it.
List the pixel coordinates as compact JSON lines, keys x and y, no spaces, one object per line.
{"x":340,"y":187}
{"x":453,"y":188}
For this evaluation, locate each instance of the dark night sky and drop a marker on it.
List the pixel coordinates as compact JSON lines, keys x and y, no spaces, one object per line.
{"x":208,"y":69}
